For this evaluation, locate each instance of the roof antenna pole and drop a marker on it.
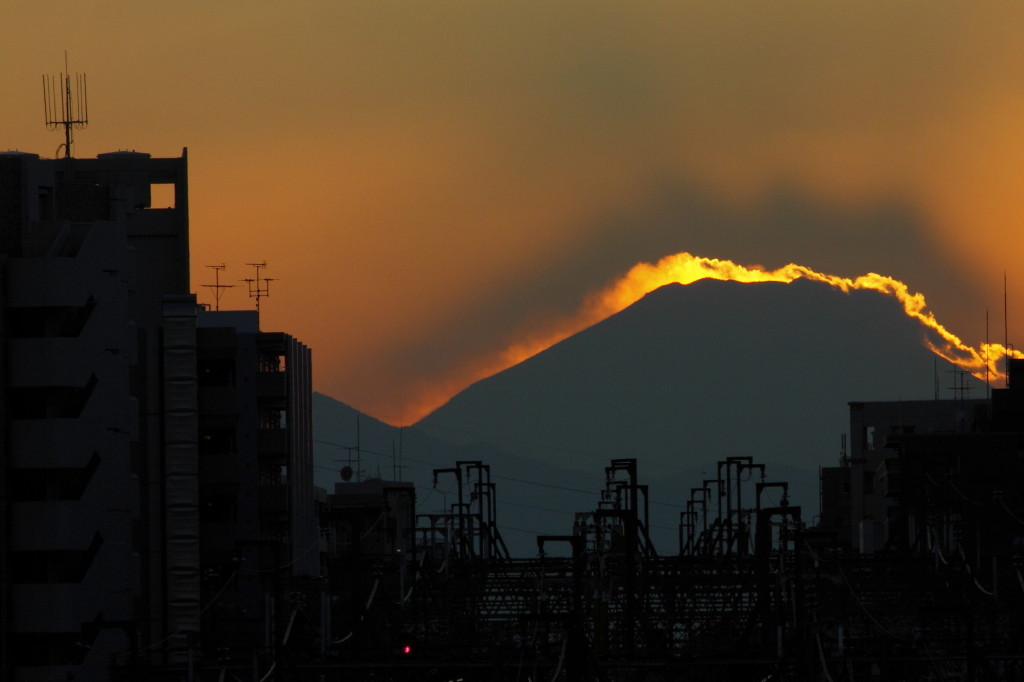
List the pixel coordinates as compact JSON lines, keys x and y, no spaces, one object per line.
{"x":258,"y":287}
{"x":988,"y":346}
{"x":217,"y":287}
{"x":1006,"y":336}
{"x":64,"y":107}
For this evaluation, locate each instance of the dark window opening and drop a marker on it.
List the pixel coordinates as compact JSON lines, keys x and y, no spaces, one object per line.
{"x":272,"y":363}
{"x":217,"y":441}
{"x":273,"y":419}
{"x":216,"y":371}
{"x":218,"y":509}
{"x":53,"y":566}
{"x":49,"y":321}
{"x":39,"y":485}
{"x":271,"y":475}
{"x":51,"y":402}
{"x":45,"y":203}
{"x":47,"y":648}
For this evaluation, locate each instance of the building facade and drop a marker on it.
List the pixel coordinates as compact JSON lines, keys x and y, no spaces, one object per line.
{"x":109,"y":536}
{"x":85,"y":265}
{"x":260,"y":539}
{"x":854,"y":503}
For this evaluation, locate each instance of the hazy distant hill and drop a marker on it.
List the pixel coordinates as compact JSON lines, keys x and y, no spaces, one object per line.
{"x":533,"y":497}
{"x":686,"y":376}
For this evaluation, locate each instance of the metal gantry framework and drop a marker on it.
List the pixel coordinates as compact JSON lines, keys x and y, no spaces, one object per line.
{"x":753,"y":593}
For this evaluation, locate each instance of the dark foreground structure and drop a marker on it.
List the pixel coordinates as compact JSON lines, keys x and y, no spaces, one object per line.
{"x":929,"y":584}
{"x":156,"y":497}
{"x":763,"y":597}
{"x":158,"y":519}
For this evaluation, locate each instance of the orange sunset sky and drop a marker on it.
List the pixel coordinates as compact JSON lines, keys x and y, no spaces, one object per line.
{"x":433,"y":182}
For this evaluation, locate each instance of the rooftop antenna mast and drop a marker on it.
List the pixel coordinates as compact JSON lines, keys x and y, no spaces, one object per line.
{"x":258,"y":287}
{"x":1006,"y":335}
{"x":988,"y":345}
{"x":217,"y":287}
{"x":65,"y":107}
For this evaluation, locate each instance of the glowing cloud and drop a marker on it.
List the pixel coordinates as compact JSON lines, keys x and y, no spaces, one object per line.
{"x":684,"y":268}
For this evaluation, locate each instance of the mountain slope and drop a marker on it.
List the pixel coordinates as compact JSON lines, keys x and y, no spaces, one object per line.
{"x":693,"y":374}
{"x":687,"y":376}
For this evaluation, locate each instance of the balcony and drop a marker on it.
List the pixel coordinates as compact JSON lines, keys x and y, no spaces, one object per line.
{"x":272,"y":445}
{"x":272,"y":385}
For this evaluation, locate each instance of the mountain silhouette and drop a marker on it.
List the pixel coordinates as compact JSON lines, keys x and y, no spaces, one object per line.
{"x":685,"y":377}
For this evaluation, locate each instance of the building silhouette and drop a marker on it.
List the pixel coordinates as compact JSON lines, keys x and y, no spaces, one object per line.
{"x":125,"y":429}
{"x":259,"y":535}
{"x":853,"y":501}
{"x":159,"y":520}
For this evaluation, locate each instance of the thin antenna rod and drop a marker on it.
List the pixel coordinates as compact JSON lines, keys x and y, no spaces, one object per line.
{"x":988,"y":346}
{"x":217,"y":287}
{"x":1006,"y":336}
{"x":65,"y":107}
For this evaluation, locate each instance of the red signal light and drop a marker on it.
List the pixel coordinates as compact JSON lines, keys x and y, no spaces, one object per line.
{"x":406,"y":649}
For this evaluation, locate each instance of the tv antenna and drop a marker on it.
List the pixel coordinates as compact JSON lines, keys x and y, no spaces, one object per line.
{"x":347,"y":472}
{"x":258,"y":287}
{"x":217,"y":287}
{"x":65,"y":107}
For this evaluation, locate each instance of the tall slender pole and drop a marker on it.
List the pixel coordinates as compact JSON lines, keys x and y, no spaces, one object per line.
{"x":1006,"y":336}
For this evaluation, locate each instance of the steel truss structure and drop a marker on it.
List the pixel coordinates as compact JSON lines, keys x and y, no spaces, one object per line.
{"x":753,"y":594}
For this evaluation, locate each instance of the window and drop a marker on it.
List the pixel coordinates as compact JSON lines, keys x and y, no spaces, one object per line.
{"x":161,"y":195}
{"x":273,"y":419}
{"x":49,"y":402}
{"x":217,"y":441}
{"x":47,"y":648}
{"x":216,"y":372}
{"x":53,"y":566}
{"x":272,"y":363}
{"x":48,"y":321}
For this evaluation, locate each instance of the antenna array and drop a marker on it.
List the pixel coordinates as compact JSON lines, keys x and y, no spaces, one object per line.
{"x":65,"y":107}
{"x":258,"y":287}
{"x":217,"y":287}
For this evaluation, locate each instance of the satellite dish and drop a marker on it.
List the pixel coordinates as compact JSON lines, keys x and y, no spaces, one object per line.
{"x":346,"y":473}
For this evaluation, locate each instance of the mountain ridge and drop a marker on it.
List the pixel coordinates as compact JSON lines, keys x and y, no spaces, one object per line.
{"x":686,"y":376}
